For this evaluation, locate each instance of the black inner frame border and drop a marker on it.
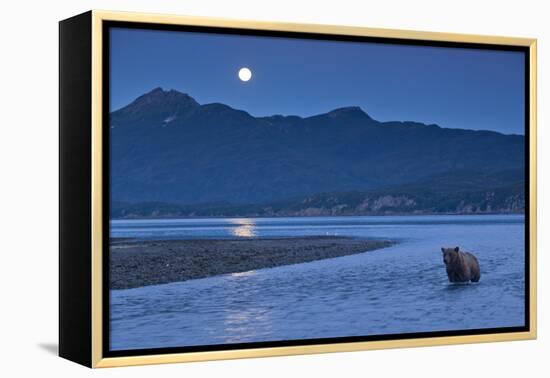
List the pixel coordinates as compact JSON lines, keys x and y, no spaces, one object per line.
{"x":107,"y":25}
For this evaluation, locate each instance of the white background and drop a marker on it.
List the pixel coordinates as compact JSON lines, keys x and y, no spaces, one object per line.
{"x":29,"y":186}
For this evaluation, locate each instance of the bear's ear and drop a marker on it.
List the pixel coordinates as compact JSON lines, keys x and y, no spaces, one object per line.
{"x":442,"y":249}
{"x":456,"y":249}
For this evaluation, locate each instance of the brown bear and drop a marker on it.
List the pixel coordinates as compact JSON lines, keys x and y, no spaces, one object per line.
{"x":461,"y":266}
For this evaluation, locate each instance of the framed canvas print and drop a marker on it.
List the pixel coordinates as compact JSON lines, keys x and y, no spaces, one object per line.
{"x":235,"y":189}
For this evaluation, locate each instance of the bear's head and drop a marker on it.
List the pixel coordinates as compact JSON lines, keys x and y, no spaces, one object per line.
{"x":449,"y":255}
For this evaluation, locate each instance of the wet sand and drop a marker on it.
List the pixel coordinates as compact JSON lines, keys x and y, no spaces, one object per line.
{"x":135,"y":263}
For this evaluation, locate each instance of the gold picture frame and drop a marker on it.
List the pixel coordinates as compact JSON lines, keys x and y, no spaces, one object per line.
{"x":90,"y":330}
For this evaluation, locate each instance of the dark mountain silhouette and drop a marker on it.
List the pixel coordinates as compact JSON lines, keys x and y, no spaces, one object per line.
{"x":168,"y":149}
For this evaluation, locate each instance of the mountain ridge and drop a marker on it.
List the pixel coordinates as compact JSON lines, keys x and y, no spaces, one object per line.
{"x":168,"y":148}
{"x":159,"y":93}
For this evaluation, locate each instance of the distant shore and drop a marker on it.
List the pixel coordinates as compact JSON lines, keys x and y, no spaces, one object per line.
{"x":256,"y":216}
{"x":136,"y":263}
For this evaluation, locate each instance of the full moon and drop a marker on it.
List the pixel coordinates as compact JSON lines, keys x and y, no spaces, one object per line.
{"x":245,"y":74}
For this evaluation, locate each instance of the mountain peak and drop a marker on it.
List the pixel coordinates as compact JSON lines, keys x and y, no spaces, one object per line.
{"x":354,"y":111}
{"x":158,"y":103}
{"x":160,"y":96}
{"x":156,"y":90}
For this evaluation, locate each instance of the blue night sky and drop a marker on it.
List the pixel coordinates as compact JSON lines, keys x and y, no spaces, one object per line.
{"x":455,"y":88}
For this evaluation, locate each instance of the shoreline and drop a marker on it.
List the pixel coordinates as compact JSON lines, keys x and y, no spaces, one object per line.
{"x":313,"y":216}
{"x":136,"y":263}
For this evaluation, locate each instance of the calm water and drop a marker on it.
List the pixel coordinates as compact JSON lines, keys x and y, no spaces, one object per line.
{"x":399,"y":289}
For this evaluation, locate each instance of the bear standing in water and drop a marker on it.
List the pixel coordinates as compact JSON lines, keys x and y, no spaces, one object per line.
{"x":461,"y":266}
